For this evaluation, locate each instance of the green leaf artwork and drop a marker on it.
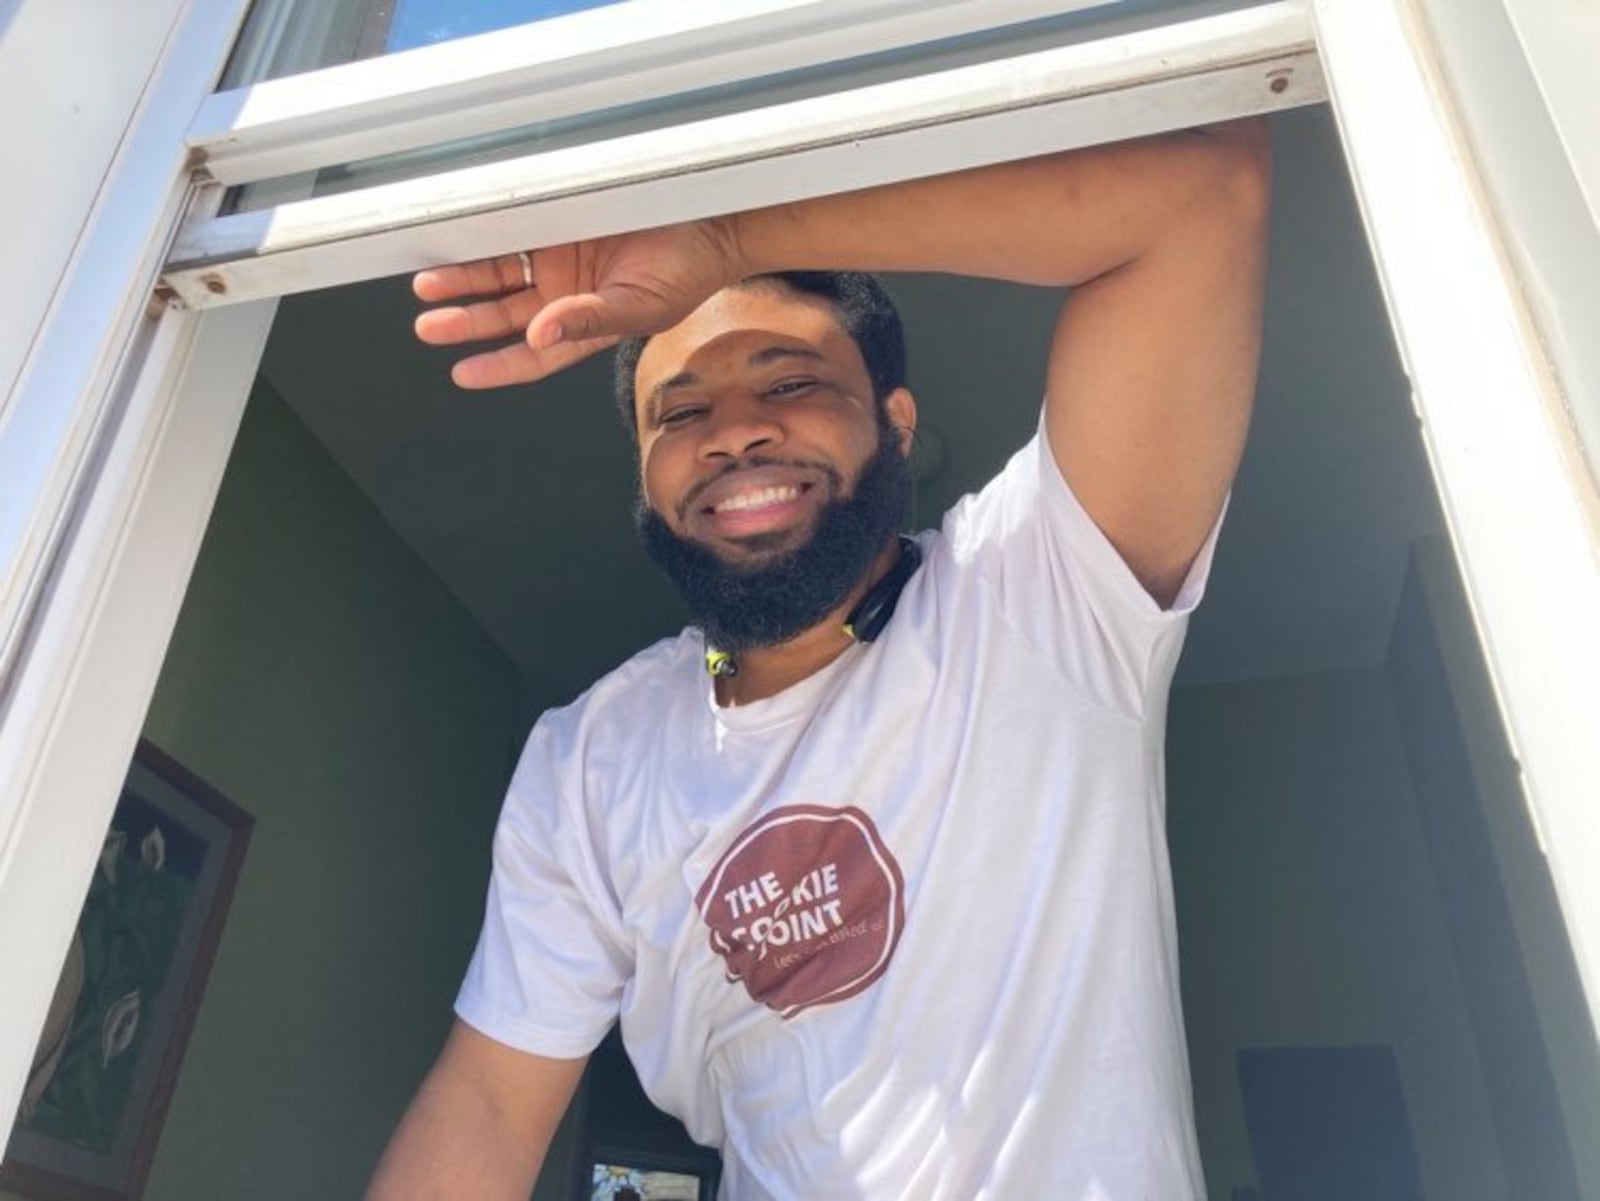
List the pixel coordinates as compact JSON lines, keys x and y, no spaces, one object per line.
{"x":132,"y":920}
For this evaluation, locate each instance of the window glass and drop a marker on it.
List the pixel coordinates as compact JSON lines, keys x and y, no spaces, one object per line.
{"x":285,"y":37}
{"x":423,"y":22}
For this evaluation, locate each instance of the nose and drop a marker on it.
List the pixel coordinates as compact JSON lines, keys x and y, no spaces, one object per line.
{"x":737,"y":427}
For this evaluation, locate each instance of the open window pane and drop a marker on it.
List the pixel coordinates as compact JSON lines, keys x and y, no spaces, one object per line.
{"x":804,"y":80}
{"x":445,"y":98}
{"x":932,"y":121}
{"x":818,"y":79}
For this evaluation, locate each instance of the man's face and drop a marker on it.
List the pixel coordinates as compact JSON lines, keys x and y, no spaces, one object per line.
{"x":753,"y":413}
{"x":769,"y":479}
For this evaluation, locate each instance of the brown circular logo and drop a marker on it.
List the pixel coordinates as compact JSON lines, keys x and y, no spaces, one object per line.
{"x":805,"y":907}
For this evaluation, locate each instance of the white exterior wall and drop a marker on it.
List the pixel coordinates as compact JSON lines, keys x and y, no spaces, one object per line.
{"x":107,"y":464}
{"x":72,"y":73}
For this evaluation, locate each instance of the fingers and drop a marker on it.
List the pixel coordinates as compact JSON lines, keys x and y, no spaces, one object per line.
{"x":520,"y":363}
{"x":503,"y":317}
{"x":496,"y":320}
{"x":482,"y":278}
{"x":552,"y":334}
{"x":614,"y":312}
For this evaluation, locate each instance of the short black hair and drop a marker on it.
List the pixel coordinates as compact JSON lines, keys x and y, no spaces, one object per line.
{"x":860,"y":302}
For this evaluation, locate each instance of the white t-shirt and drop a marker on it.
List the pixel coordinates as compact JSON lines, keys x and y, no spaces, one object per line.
{"x":903,"y":930}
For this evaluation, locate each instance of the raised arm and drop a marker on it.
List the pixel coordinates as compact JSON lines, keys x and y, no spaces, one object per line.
{"x":480,"y":1125}
{"x":1152,"y":366}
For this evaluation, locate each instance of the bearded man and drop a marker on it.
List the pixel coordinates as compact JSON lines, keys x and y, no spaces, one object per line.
{"x":870,"y":862}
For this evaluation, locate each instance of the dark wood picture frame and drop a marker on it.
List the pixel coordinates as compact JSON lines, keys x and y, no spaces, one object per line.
{"x":110,"y":1053}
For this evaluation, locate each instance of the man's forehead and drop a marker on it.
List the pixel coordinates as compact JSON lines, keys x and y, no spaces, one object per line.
{"x":758,"y":321}
{"x":758,"y":306}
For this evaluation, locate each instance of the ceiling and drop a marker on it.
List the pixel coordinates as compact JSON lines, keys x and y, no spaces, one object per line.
{"x":519,"y":501}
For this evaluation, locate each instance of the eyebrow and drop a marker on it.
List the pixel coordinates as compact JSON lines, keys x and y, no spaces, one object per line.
{"x":760,"y":358}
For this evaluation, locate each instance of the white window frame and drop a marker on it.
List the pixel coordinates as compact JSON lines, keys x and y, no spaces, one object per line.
{"x":557,"y":68}
{"x":1233,"y":64}
{"x":120,"y":429}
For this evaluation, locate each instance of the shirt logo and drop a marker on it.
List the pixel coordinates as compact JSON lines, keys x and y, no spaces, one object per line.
{"x":806,"y":906}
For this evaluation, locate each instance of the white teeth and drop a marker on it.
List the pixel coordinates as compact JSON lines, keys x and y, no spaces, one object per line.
{"x":758,"y":498}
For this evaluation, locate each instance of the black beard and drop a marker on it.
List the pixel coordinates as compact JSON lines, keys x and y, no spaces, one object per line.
{"x":773,"y":601}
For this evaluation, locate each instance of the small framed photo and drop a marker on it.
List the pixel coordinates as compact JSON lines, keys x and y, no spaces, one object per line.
{"x":109,"y":1054}
{"x":623,"y":1174}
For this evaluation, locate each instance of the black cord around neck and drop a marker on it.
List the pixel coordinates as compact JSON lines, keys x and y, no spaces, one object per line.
{"x":865,"y":621}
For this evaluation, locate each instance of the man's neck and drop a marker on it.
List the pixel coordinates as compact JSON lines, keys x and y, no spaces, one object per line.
{"x":767,"y":670}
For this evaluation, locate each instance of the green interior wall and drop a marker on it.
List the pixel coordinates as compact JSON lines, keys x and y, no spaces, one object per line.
{"x":1538,"y":955}
{"x":1308,"y":914}
{"x":1312,"y":911}
{"x":324,"y":680}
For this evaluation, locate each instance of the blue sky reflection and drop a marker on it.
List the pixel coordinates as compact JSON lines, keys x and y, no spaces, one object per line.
{"x":423,"y":22}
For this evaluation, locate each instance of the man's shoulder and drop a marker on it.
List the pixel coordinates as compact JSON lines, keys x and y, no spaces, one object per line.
{"x":639,"y":679}
{"x":646,"y":682}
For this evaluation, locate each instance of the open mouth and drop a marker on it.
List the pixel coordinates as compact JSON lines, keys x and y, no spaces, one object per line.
{"x":756,"y":500}
{"x":753,"y":511}
{"x":752,"y":499}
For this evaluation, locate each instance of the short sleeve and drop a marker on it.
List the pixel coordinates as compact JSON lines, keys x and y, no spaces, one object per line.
{"x":551,"y":961}
{"x":1065,"y":589}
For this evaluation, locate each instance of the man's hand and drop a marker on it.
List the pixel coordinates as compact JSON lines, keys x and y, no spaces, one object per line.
{"x":575,"y":300}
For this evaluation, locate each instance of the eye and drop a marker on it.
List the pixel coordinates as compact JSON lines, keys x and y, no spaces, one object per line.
{"x":679,"y":416}
{"x":791,"y":387}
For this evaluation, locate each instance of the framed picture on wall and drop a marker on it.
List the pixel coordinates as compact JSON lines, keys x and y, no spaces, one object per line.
{"x":623,"y":1174}
{"x":123,"y":1009}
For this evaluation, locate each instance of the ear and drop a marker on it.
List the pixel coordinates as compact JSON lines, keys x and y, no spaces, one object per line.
{"x":901,"y":408}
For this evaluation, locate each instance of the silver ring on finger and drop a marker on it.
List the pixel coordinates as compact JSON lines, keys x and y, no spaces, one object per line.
{"x":526,"y":260}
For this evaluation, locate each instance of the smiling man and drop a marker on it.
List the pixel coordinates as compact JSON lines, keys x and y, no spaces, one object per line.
{"x":869,"y":863}
{"x":767,"y":524}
